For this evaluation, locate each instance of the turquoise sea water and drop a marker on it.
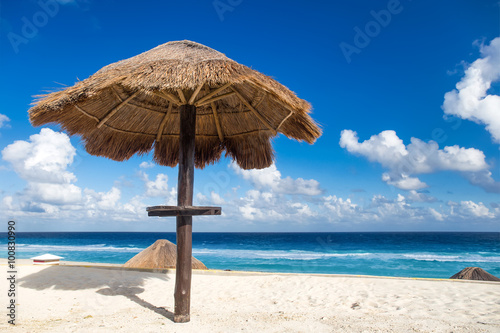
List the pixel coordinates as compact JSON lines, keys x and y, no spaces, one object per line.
{"x":437,"y":255}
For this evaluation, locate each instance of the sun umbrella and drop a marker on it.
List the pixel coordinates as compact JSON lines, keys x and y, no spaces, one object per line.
{"x":189,"y":104}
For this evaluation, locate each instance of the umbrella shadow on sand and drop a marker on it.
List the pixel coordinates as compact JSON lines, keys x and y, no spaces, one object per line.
{"x":131,"y":294}
{"x":112,"y":283}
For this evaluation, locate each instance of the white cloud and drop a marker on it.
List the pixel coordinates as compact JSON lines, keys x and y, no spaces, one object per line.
{"x":437,"y":216}
{"x":215,"y":199}
{"x":7,"y":201}
{"x":3,"y":120}
{"x":249,"y":212}
{"x":483,"y":179}
{"x":146,"y":165}
{"x":470,"y":209}
{"x":257,"y":205}
{"x":266,"y":204}
{"x":397,"y":209}
{"x":415,"y":196}
{"x":385,"y":148}
{"x":55,"y":194}
{"x":303,"y":209}
{"x":268,"y":207}
{"x":42,"y":162}
{"x":470,"y":100}
{"x":50,"y":196}
{"x":202,"y":199}
{"x":158,"y":187}
{"x":264,"y":207}
{"x":339,"y":209}
{"x":418,"y":157}
{"x":272,"y":199}
{"x":403,"y":181}
{"x":271,"y":178}
{"x":495,"y":207}
{"x":42,"y":159}
{"x":401,"y":210}
{"x":135,"y":207}
{"x":51,"y":193}
{"x":102,"y":200}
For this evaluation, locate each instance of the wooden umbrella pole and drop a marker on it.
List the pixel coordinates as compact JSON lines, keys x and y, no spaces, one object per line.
{"x":185,"y":223}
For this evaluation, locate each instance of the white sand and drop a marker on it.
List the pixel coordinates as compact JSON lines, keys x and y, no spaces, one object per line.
{"x":86,"y":299}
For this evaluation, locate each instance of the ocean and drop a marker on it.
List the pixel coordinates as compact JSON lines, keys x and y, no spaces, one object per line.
{"x":427,"y":255}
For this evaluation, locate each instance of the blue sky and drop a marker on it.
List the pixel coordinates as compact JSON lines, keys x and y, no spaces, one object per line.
{"x":407,"y":93}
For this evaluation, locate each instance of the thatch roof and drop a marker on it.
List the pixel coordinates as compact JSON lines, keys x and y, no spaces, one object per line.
{"x":132,"y":106}
{"x":162,"y":254}
{"x":474,"y":273}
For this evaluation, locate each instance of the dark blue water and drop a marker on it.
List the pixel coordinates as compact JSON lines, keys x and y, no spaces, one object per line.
{"x":437,"y":255}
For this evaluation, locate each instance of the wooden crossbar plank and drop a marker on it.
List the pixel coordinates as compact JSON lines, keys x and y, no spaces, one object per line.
{"x":164,"y":121}
{"x":255,"y":112}
{"x":213,"y":93}
{"x":115,"y":109}
{"x":183,"y":210}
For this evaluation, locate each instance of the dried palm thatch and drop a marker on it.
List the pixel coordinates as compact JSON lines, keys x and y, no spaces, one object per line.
{"x":474,"y":273}
{"x":132,"y":106}
{"x":162,"y":254}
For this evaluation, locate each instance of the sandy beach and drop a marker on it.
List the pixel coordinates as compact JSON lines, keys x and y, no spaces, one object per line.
{"x":87,"y":298}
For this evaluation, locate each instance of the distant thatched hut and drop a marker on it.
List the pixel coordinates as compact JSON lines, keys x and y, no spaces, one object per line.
{"x":474,"y":273}
{"x":162,"y":254}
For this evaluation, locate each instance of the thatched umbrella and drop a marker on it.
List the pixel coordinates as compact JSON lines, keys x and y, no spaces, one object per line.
{"x":161,"y":254}
{"x":474,"y":273}
{"x":188,"y":103}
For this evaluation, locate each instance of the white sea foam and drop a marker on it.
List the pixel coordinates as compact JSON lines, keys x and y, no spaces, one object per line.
{"x":485,"y":257}
{"x":74,"y":248}
{"x":457,"y":258}
{"x":262,"y":254}
{"x":309,"y":255}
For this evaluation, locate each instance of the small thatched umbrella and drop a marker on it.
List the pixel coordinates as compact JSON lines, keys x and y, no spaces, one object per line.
{"x":188,"y":103}
{"x":474,"y":273}
{"x":161,"y":254}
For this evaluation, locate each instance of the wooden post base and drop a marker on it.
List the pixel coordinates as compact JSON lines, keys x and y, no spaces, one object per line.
{"x":181,"y":318}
